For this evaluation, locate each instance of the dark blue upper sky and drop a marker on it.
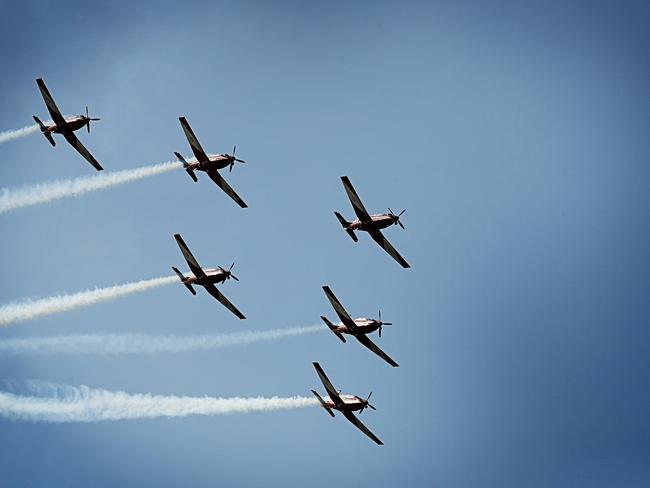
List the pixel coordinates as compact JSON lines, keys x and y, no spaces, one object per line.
{"x":515,"y":134}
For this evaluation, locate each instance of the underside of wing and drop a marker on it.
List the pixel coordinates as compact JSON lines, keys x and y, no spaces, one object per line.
{"x":198,"y":151}
{"x":359,"y":209}
{"x":383,"y":242}
{"x":55,"y":113}
{"x":331,"y":391}
{"x":81,"y":149}
{"x":365,"y":340}
{"x":350,"y":416}
{"x":191,"y":260}
{"x":340,"y":311}
{"x":217,"y":178}
{"x":212,"y":290}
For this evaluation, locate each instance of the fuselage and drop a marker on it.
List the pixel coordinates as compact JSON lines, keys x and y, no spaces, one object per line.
{"x":377,"y":221}
{"x":364,"y":326}
{"x":71,"y":124}
{"x":351,"y":403}
{"x":215,"y":161}
{"x":212,"y":276}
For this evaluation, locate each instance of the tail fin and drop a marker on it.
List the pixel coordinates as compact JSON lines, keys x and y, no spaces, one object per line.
{"x":43,"y":128}
{"x":186,"y":166}
{"x":345,"y":225}
{"x":182,"y":278}
{"x":332,"y":328}
{"x":322,"y":402}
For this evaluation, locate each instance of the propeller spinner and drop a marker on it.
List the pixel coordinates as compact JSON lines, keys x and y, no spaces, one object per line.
{"x":234,"y":149}
{"x":397,"y":221}
{"x":366,"y":404}
{"x":381,"y":324}
{"x":228,"y":272}
{"x":88,"y":119}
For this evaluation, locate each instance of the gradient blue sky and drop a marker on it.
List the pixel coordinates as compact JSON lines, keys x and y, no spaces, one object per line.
{"x":516,"y":135}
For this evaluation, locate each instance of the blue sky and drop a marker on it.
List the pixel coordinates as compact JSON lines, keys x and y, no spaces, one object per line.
{"x":514,"y":134}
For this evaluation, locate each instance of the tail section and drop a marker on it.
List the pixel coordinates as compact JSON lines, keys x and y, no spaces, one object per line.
{"x":43,"y":128}
{"x":332,"y":328}
{"x":182,"y":278}
{"x":186,"y":166}
{"x":323,"y":404}
{"x":345,"y":225}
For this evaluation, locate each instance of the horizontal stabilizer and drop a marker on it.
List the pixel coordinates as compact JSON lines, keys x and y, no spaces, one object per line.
{"x":49,"y":137}
{"x":43,"y":128}
{"x":345,"y":225}
{"x":182,"y":278}
{"x":322,"y":402}
{"x":41,"y":125}
{"x":186,"y":166}
{"x":332,"y":328}
{"x":181,"y":159}
{"x":344,"y":222}
{"x":179,"y":274}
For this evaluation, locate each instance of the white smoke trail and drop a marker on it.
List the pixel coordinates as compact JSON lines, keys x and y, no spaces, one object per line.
{"x":29,"y":309}
{"x":10,"y":135}
{"x":14,"y":198}
{"x":113,"y":344}
{"x":83,"y":404}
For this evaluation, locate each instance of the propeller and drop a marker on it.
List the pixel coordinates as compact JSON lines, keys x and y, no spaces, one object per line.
{"x":381,"y":324}
{"x":229,"y":272}
{"x":366,"y":403}
{"x":397,"y":221}
{"x":88,"y":119}
{"x":234,"y":149}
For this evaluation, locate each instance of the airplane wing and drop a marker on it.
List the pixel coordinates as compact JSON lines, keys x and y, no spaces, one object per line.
{"x":383,"y":242}
{"x":81,"y":149}
{"x":216,"y":177}
{"x":198,"y":151}
{"x":359,"y":209}
{"x":333,"y":394}
{"x":365,"y":340}
{"x":359,"y":425}
{"x":49,"y":101}
{"x":212,"y":290}
{"x":340,"y":311}
{"x":191,"y":260}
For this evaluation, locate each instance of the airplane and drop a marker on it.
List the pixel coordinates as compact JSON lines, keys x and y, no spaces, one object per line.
{"x":372,"y":224}
{"x":64,"y":126}
{"x":206,"y":278}
{"x":209,"y":163}
{"x":346,"y":404}
{"x":359,"y":328}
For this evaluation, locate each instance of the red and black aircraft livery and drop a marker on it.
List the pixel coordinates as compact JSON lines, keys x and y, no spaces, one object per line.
{"x":65,"y":126}
{"x":205,"y":277}
{"x":211,"y":163}
{"x":346,"y":404}
{"x":372,"y":224}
